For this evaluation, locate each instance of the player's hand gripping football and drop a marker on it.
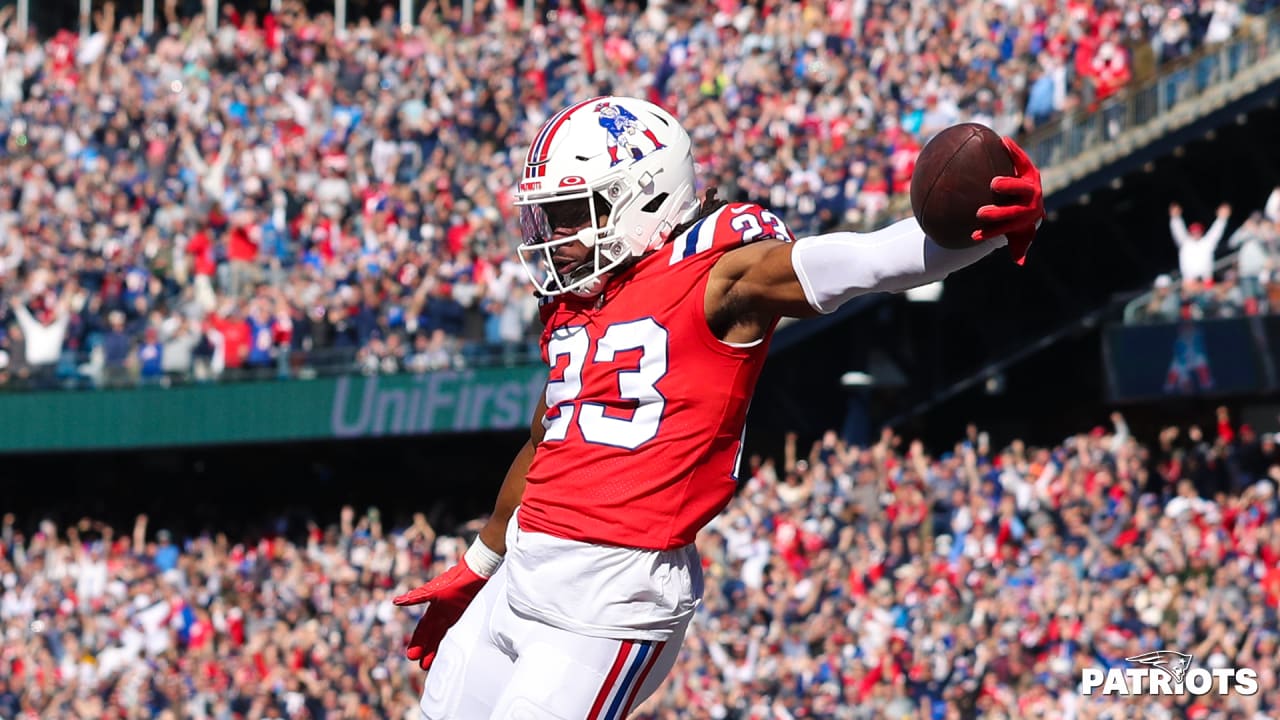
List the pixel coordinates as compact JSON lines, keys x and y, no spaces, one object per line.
{"x":1021,"y":215}
{"x":449,"y":594}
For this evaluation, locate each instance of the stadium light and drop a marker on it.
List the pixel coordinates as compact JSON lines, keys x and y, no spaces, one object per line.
{"x":879,"y":372}
{"x":857,"y":379}
{"x":885,"y":370}
{"x":994,"y":384}
{"x":925,"y":293}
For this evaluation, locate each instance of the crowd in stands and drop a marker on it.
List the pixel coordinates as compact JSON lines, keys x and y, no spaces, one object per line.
{"x":284,"y":195}
{"x":1250,"y":285}
{"x":843,"y":583}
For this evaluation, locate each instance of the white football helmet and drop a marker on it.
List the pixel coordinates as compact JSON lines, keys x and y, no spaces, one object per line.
{"x":626,"y":158}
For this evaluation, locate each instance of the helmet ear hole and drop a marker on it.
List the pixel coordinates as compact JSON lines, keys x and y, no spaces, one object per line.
{"x":656,"y":203}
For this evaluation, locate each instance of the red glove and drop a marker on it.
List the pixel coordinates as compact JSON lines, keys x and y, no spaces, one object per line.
{"x":449,"y":595}
{"x":1017,"y":221}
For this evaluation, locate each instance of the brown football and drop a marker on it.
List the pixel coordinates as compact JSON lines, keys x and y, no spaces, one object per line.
{"x":952,"y":179}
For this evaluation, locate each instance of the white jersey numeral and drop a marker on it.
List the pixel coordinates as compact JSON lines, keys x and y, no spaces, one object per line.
{"x":749,"y":227}
{"x":638,"y":385}
{"x":573,"y":342}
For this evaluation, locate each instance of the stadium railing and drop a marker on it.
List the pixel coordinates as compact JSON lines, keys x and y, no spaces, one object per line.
{"x":1134,"y":307}
{"x":83,"y":369}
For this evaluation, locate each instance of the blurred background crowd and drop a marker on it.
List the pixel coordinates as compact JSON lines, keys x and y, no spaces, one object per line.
{"x":845,"y":582}
{"x":284,"y":197}
{"x":1224,"y":271}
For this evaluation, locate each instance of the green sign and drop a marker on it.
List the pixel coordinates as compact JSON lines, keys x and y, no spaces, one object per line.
{"x":345,"y":407}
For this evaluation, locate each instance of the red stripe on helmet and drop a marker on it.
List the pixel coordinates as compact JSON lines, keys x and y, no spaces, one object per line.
{"x":542,"y":146}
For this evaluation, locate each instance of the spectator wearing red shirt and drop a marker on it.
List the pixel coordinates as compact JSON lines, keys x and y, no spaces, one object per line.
{"x":243,"y":240}
{"x":235,"y":334}
{"x":200,"y":248}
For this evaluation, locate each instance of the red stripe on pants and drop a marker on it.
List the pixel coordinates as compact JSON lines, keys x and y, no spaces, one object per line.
{"x":610,"y":680}
{"x":653,"y":660}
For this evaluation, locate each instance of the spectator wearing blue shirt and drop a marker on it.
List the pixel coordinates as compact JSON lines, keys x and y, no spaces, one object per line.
{"x":261,"y":335}
{"x":167,"y":553}
{"x":115,"y":351}
{"x":1040,"y":100}
{"x":150,"y":357}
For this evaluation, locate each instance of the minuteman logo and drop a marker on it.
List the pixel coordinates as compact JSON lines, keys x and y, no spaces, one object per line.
{"x":1167,"y":672}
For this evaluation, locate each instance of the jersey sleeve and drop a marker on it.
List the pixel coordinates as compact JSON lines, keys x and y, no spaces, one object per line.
{"x":730,"y":227}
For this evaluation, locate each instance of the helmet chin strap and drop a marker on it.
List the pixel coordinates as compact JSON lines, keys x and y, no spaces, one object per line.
{"x":592,"y":288}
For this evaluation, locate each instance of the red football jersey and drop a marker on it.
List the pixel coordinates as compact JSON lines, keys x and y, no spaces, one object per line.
{"x":645,"y":406}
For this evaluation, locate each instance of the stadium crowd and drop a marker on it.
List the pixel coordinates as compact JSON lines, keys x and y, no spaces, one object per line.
{"x":842,"y":583}
{"x":1249,"y":285}
{"x":282,"y":196}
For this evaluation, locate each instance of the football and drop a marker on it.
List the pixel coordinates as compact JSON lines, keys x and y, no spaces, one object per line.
{"x":952,"y":179}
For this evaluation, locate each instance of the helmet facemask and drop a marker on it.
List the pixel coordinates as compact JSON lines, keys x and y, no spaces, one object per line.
{"x":548,"y":226}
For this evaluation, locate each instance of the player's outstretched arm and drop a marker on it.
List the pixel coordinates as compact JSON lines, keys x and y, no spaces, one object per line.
{"x":818,"y":274}
{"x":452,"y":591}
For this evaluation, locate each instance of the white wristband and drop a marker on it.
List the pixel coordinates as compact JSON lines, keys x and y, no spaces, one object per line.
{"x":482,"y":560}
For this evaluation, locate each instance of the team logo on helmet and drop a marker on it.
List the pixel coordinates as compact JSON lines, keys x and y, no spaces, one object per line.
{"x":622,"y":129}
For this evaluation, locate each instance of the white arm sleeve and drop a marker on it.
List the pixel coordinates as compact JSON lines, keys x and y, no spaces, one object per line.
{"x":840,"y":266}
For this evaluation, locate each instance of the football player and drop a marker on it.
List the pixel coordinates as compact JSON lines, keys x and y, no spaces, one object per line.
{"x":573,"y":601}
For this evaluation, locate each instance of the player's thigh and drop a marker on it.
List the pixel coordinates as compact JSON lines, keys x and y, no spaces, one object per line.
{"x":470,"y":669}
{"x":565,"y":676}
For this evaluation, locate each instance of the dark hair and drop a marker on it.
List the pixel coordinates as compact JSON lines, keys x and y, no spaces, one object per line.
{"x":710,"y":204}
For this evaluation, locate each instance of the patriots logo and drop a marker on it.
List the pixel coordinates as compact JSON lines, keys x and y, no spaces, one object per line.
{"x":1174,"y":663}
{"x":622,"y":129}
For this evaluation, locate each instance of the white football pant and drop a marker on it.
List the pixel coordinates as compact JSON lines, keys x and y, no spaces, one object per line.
{"x":496,"y":665}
